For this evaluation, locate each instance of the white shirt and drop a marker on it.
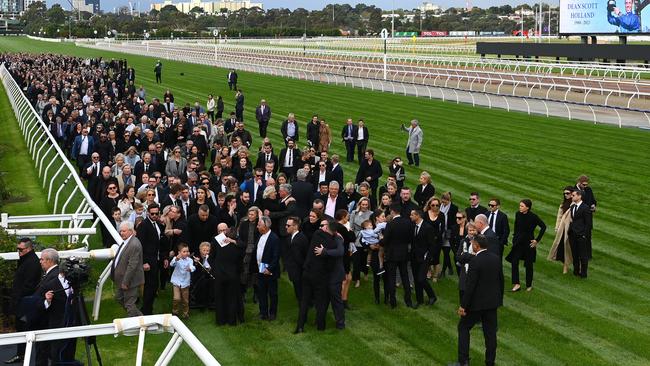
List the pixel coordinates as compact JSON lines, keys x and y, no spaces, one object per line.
{"x":261,"y":244}
{"x":288,"y":160}
{"x":494,"y":221}
{"x":66,"y":288}
{"x":484,"y":230}
{"x":360,"y":134}
{"x":322,"y":177}
{"x":83,"y":149}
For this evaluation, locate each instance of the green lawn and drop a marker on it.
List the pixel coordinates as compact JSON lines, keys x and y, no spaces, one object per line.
{"x":600,"y":321}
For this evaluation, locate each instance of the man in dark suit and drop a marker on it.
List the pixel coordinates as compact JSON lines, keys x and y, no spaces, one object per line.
{"x":407,"y":206}
{"x":313,"y":132}
{"x":201,"y":226}
{"x":397,"y":237}
{"x":474,"y":207}
{"x":239,"y":105}
{"x":483,"y":228}
{"x":424,"y":239}
{"x":483,"y":295}
{"x":26,"y":278}
{"x":336,"y":172}
{"x":143,"y":166}
{"x":361,"y":139}
{"x":267,"y":155}
{"x":349,"y":136}
{"x":303,"y":192}
{"x":92,"y":171}
{"x":82,"y":148}
{"x":149,"y":233}
{"x":289,"y":158}
{"x":334,"y":253}
{"x":370,"y":171}
{"x":296,"y":252}
{"x":268,"y":263}
{"x":127,"y":270}
{"x":579,"y":233}
{"x":263,"y":116}
{"x":232,"y":79}
{"x":498,"y":222}
{"x":289,"y":129}
{"x":588,"y":199}
{"x":333,"y":200}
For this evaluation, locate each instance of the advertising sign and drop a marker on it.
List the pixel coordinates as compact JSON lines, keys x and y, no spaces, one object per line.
{"x":604,"y":16}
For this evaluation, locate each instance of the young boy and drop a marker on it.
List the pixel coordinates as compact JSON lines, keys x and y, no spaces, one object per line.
{"x":116,"y":217}
{"x":202,"y":289}
{"x":138,"y":212}
{"x":371,"y":236}
{"x":183,"y":268}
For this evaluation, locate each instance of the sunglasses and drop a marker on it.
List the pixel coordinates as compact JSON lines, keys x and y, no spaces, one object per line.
{"x":472,"y":199}
{"x":491,"y":205}
{"x":154,"y":213}
{"x":112,"y":187}
{"x":567,"y":193}
{"x":20,"y":250}
{"x":323,"y":225}
{"x":150,"y":194}
{"x":434,"y":205}
{"x":459,"y":217}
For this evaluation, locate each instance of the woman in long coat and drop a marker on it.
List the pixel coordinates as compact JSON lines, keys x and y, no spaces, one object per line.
{"x":524,"y":243}
{"x":561,"y":248}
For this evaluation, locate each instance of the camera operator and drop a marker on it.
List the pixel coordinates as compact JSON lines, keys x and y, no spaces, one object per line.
{"x":52,"y":294}
{"x":26,"y":278}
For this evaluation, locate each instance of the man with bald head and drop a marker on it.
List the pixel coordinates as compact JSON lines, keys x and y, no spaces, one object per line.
{"x":483,"y":227}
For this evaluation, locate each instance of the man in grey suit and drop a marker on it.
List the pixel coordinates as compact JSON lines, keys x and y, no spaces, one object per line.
{"x":414,"y":142}
{"x":126,"y":271}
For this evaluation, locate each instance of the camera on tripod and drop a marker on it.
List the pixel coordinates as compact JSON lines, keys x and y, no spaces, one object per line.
{"x":77,"y":273}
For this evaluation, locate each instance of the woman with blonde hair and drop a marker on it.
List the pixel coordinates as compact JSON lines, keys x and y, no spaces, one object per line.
{"x":561,"y":248}
{"x":425,"y":190}
{"x":436,"y":218}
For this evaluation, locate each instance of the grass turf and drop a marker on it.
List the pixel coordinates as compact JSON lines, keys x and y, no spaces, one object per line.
{"x":600,"y":321}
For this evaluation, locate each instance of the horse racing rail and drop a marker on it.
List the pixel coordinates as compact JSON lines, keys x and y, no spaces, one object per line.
{"x":599,"y":100}
{"x":61,"y":180}
{"x":127,"y":326}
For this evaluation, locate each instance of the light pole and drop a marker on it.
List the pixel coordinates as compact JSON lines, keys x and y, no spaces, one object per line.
{"x":392,"y":22}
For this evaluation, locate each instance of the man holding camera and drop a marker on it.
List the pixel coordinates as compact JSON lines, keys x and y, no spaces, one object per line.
{"x":26,"y":278}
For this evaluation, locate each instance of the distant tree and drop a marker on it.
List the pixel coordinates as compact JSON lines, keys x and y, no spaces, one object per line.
{"x":56,"y":15}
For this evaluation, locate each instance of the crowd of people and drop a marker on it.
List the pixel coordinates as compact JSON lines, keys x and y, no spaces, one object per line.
{"x":218,"y":215}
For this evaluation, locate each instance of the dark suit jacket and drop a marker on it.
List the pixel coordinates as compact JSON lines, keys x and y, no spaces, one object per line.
{"x":366,"y":134}
{"x":341,"y":202}
{"x":226,"y":262}
{"x":138,"y":169}
{"x":76,"y":146}
{"x":472,"y":212}
{"x":271,"y":254}
{"x":261,"y":161}
{"x":373,"y":170}
{"x":303,"y":192}
{"x":316,"y":267}
{"x":150,"y":240}
{"x":263,"y":117}
{"x":283,"y":130}
{"x":423,"y":243}
{"x":344,"y":132}
{"x":53,"y":316}
{"x":337,"y":175}
{"x":494,"y":246}
{"x":26,"y":277}
{"x":502,"y":227}
{"x":296,"y":254}
{"x":422,"y":195}
{"x":582,"y":221}
{"x":484,"y":284}
{"x":397,"y":237}
{"x":296,"y":157}
{"x":334,"y":253}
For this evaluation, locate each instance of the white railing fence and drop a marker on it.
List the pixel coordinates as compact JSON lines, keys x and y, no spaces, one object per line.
{"x":59,"y":176}
{"x":121,"y":327}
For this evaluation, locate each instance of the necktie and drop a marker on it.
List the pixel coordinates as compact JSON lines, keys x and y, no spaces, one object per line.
{"x":290,"y":158}
{"x":492,"y":217}
{"x":268,"y":157}
{"x":146,"y":167}
{"x":117,"y":256}
{"x":349,"y":131}
{"x":573,"y":209}
{"x":417,"y":228}
{"x":97,"y":169}
{"x":185,"y":208}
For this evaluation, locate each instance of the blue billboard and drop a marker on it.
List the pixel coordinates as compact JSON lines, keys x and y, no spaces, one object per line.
{"x":604,"y":17}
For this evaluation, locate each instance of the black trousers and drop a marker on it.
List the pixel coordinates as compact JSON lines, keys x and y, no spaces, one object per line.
{"x":227,"y":301}
{"x":262,"y":127}
{"x":376,"y":279}
{"x":349,"y":148}
{"x":413,"y":157}
{"x":580,"y":252}
{"x":391,"y":271}
{"x":488,"y":318}
{"x":267,"y":295}
{"x":515,"y":271}
{"x":359,"y":263}
{"x":232,"y":86}
{"x":334,"y":291}
{"x":420,"y":278}
{"x":150,"y":289}
{"x":296,"y":281}
{"x":239,"y":114}
{"x":314,"y":292}
{"x":164,"y":275}
{"x":446,"y":258}
{"x":361,"y":150}
{"x":82,"y":160}
{"x":158,"y":78}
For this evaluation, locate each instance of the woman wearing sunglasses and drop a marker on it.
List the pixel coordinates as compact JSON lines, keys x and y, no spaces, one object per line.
{"x":561,"y":248}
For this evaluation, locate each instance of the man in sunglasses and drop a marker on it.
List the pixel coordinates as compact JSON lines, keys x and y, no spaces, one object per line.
{"x":149,"y":233}
{"x":26,"y":278}
{"x":498,"y":222}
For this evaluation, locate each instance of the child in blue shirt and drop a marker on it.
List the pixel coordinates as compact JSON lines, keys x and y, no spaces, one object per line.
{"x":181,"y":279}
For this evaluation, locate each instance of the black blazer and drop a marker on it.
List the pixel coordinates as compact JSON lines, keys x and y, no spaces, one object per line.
{"x":296,"y":255}
{"x":397,"y":237}
{"x":315,"y":267}
{"x":493,"y":242}
{"x":150,"y":240}
{"x":484,"y":284}
{"x":422,"y":195}
{"x":283,"y":130}
{"x":423,"y":243}
{"x":261,"y":161}
{"x":53,"y":316}
{"x":472,"y":212}
{"x":336,"y":174}
{"x":374,"y":171}
{"x":26,"y":277}
{"x":226,"y":262}
{"x":582,"y":221}
{"x":283,"y":154}
{"x":271,"y":254}
{"x":502,"y":227}
{"x":139,"y":169}
{"x":303,"y":192}
{"x":344,"y":132}
{"x":334,"y":253}
{"x":341,"y":203}
{"x":366,"y":134}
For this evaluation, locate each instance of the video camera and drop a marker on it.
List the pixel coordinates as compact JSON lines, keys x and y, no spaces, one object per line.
{"x":77,"y":273}
{"x":611,"y":4}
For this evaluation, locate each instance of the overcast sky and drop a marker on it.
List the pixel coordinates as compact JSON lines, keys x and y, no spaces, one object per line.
{"x":108,"y":5}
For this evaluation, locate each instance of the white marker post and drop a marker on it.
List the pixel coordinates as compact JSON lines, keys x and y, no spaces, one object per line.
{"x":146,"y":37}
{"x":384,"y":36}
{"x":215,"y":34}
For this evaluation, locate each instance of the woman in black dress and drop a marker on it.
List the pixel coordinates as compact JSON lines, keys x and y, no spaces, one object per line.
{"x":202,"y":198}
{"x":457,"y":235}
{"x":397,"y":169}
{"x":436,"y":218}
{"x":524,"y":243}
{"x":109,"y":201}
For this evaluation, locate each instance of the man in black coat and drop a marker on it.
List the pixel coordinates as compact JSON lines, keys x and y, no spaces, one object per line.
{"x":494,"y":246}
{"x":349,"y":136}
{"x":303,"y":192}
{"x":424,"y":239}
{"x":296,"y":252}
{"x":474,"y":207}
{"x":232,"y":79}
{"x":361,"y":138}
{"x":407,"y":206}
{"x":149,"y":232}
{"x":336,"y":172}
{"x":266,"y":156}
{"x":483,"y":295}
{"x":334,"y":254}
{"x":268,"y":263}
{"x":498,"y":221}
{"x":579,"y":233}
{"x":313,"y":132}
{"x":239,"y":105}
{"x":289,"y":129}
{"x":26,"y":278}
{"x":202,"y":226}
{"x":370,"y":171}
{"x":397,"y":237}
{"x":588,"y":199}
{"x":263,"y":116}
{"x":289,"y":160}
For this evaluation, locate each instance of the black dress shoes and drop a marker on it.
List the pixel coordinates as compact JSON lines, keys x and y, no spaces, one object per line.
{"x":432,"y":300}
{"x":299,"y":330}
{"x":272,"y":317}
